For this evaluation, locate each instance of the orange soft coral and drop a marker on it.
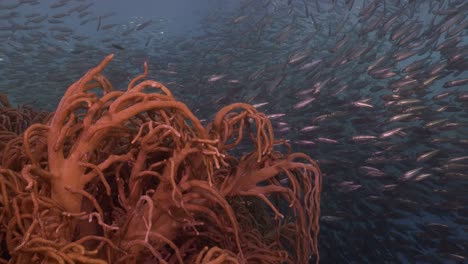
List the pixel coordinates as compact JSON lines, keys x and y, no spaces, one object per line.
{"x":133,"y":176}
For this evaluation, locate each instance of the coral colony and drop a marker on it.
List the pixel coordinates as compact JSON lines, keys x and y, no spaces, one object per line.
{"x":134,"y":177}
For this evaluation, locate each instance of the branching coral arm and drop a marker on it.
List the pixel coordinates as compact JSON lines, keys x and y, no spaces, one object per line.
{"x":214,"y":195}
{"x":139,"y":77}
{"x":153,"y":84}
{"x":245,"y":182}
{"x":79,"y":86}
{"x":97,"y":169}
{"x":225,"y":110}
{"x":117,"y":118}
{"x":104,"y":101}
{"x":33,"y":131}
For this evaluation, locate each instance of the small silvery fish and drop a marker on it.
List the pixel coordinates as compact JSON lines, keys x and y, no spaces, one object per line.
{"x":214,"y":78}
{"x":143,"y":25}
{"x":428,"y":155}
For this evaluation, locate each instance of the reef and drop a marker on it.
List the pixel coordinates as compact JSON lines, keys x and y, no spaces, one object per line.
{"x":134,"y":176}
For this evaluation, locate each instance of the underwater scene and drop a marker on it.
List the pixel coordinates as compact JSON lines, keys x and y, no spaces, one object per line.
{"x":233,"y":131}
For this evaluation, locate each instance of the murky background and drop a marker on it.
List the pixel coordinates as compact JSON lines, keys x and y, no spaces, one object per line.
{"x":376,"y":91}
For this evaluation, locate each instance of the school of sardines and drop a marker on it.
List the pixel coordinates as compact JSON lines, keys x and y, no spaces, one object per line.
{"x":375,"y":90}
